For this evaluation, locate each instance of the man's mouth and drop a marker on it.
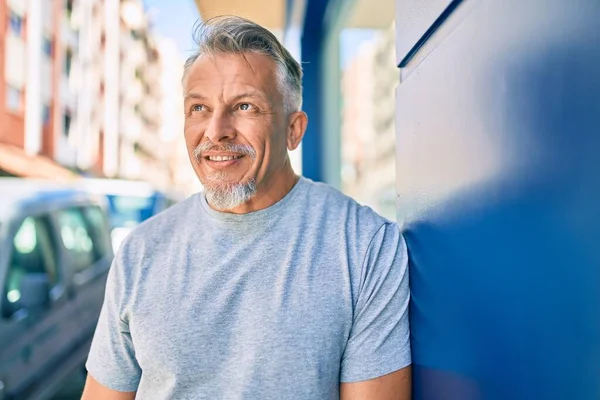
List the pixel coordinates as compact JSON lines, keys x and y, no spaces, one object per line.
{"x":224,"y":158}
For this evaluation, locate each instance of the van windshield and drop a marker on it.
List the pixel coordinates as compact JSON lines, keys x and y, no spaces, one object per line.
{"x":129,"y":211}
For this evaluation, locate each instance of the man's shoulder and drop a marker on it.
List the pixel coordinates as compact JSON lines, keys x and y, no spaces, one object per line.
{"x":337,"y":204}
{"x":167,"y":224}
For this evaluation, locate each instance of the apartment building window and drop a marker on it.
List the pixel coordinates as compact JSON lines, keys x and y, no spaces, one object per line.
{"x":67,"y":123}
{"x":47,"y":46}
{"x":46,"y":115}
{"x":68,"y":62}
{"x":15,"y":23}
{"x":13,"y":98}
{"x":69,"y":8}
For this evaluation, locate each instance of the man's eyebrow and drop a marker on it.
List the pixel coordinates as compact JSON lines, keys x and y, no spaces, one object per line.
{"x":249,"y":95}
{"x":197,"y":96}
{"x":245,"y":95}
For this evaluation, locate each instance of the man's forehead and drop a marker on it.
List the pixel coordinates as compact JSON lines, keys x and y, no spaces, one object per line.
{"x":225,"y":64}
{"x":236,"y":74}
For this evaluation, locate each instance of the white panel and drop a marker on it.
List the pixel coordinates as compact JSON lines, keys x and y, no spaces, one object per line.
{"x":131,"y":125}
{"x":111,"y":106}
{"x":135,"y":92}
{"x":33,"y":105}
{"x":46,"y":81}
{"x":14,"y":63}
{"x":67,"y":97}
{"x":47,"y":16}
{"x":138,"y":54}
{"x":151,"y":108}
{"x":65,"y":153}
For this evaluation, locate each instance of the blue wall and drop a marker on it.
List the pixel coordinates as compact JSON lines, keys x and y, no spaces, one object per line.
{"x":312,"y":45}
{"x":499,"y":187}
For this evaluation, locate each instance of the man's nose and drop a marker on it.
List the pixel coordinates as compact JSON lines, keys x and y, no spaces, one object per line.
{"x":220,"y":127}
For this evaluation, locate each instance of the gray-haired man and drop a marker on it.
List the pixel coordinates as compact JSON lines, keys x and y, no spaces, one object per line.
{"x":266,"y":285}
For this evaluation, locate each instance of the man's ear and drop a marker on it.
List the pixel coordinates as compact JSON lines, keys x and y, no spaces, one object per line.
{"x":297,"y":123}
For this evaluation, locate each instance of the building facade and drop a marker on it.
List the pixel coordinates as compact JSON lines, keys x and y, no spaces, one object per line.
{"x":368,"y":136}
{"x":141,"y":151}
{"x":28,"y":79}
{"x":80,"y":84}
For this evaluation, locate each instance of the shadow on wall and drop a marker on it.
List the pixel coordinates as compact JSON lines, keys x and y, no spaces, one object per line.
{"x":506,"y":276}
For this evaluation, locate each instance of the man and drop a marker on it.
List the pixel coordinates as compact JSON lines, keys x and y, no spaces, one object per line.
{"x":266,"y":285}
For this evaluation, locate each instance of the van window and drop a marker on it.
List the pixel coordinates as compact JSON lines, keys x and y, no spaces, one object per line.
{"x":33,"y":251}
{"x":98,"y":228}
{"x":76,"y":238}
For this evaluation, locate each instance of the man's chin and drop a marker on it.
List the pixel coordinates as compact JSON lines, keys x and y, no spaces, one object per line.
{"x":227,"y":195}
{"x":221,"y":185}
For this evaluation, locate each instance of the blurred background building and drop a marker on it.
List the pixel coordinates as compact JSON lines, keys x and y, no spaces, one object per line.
{"x":88,"y":88}
{"x":368,"y":136}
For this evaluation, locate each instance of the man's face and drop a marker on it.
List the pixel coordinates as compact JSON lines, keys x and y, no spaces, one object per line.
{"x":235,"y":127}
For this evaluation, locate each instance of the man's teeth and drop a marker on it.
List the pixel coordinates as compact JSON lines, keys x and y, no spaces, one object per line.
{"x":223,"y":158}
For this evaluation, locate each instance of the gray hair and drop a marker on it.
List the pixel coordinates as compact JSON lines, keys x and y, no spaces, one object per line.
{"x":236,"y":35}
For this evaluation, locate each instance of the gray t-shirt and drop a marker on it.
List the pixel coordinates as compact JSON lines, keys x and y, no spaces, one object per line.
{"x":282,"y":303}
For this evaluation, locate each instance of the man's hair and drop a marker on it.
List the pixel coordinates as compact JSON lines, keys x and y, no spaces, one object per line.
{"x":236,"y":35}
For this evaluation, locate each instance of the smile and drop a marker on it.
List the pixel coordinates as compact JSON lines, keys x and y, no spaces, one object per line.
{"x":224,"y":158}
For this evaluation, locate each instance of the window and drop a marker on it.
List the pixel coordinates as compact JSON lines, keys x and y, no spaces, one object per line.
{"x":69,"y":8}
{"x":128,"y":211}
{"x":33,"y":252}
{"x":46,"y":114}
{"x":76,"y":238}
{"x":13,"y":98}
{"x":15,"y":24}
{"x":67,"y":124}
{"x":68,"y":62}
{"x":47,"y":46}
{"x":98,"y":227}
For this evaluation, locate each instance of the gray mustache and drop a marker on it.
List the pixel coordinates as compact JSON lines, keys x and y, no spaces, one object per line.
{"x":227,"y":147}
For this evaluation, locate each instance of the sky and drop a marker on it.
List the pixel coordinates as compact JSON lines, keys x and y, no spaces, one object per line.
{"x":175,"y":19}
{"x":351,"y":41}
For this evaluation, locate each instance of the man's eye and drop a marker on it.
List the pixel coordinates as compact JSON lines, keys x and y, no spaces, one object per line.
{"x":245,"y":106}
{"x":197,"y":107}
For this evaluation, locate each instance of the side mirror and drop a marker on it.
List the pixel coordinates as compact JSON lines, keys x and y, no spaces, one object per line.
{"x":35,"y":291}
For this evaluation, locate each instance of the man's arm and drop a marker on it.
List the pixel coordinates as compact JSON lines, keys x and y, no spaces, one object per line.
{"x":394,"y":386}
{"x":377,"y":357}
{"x":111,"y":361}
{"x":95,"y":391}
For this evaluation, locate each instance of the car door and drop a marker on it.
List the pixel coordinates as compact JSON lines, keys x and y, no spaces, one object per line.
{"x":86,"y":240}
{"x":93,"y":284}
{"x":30,"y":335}
{"x":13,"y":365}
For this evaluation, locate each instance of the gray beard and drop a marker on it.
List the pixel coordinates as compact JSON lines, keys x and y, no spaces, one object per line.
{"x":227,"y":196}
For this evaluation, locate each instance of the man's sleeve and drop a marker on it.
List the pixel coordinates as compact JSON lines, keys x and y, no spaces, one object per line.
{"x":112,"y":360}
{"x":379,"y":341}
